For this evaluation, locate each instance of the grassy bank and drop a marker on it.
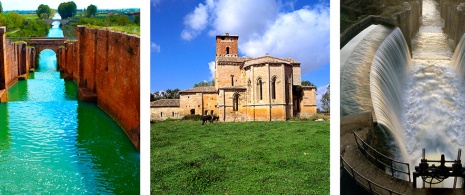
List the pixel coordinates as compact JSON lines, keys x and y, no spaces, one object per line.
{"x":240,"y":158}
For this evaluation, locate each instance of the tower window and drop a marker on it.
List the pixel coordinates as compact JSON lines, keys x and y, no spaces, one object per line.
{"x":232,"y":80}
{"x":227,"y":50}
{"x":259,"y":86}
{"x":161,"y":114}
{"x":273,"y":88}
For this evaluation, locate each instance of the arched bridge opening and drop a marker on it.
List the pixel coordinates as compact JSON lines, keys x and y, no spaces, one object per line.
{"x":46,"y":43}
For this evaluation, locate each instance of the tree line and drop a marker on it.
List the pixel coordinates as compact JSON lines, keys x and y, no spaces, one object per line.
{"x":65,"y":9}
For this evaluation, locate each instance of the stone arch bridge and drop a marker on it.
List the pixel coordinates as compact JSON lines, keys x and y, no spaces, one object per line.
{"x":51,"y":21}
{"x":46,"y":43}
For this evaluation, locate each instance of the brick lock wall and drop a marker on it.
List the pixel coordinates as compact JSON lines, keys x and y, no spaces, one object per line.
{"x":108,"y":64}
{"x":11,"y":62}
{"x":15,"y":59}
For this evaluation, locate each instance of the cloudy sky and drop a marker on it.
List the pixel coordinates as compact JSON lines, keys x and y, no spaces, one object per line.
{"x":101,"y":4}
{"x":183,"y":37}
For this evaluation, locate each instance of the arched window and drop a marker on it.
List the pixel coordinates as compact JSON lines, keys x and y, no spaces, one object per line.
{"x":227,"y":50}
{"x":259,"y":89}
{"x":273,"y":88}
{"x":236,"y":102}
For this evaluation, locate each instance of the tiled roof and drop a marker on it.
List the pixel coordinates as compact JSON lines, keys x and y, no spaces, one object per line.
{"x":235,"y":87}
{"x":291,"y":60}
{"x":269,"y":59}
{"x":165,"y":103}
{"x":209,"y":89}
{"x":308,"y":87}
{"x":231,"y":59}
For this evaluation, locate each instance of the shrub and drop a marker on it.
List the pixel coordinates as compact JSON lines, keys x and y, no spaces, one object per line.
{"x":194,"y":117}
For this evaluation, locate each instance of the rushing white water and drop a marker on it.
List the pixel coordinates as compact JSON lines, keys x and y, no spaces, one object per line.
{"x":387,"y":77}
{"x":434,"y":114}
{"x":419,"y":100}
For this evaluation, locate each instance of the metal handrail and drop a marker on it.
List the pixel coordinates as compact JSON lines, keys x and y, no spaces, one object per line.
{"x":371,"y":185}
{"x":379,"y":157}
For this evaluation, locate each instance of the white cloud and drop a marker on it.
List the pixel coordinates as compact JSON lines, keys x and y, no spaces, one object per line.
{"x":266,"y":26}
{"x":155,"y":48}
{"x":302,"y":35}
{"x":155,"y":2}
{"x":195,"y":22}
{"x":211,"y":66}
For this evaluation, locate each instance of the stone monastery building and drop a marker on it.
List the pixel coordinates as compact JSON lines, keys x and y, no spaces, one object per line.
{"x":246,"y":89}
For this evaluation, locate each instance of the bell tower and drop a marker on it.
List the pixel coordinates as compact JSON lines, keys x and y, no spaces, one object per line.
{"x":226,"y":45}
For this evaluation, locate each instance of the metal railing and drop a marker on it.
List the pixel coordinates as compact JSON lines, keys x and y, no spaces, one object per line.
{"x":382,"y":160}
{"x":364,"y":182}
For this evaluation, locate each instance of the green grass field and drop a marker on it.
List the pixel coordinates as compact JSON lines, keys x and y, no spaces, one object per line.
{"x":30,"y":16}
{"x":240,"y":158}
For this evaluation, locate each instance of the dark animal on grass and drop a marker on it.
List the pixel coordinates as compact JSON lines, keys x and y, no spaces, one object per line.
{"x":214,"y":118}
{"x":206,"y":118}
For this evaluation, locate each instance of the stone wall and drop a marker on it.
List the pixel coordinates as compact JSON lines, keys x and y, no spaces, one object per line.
{"x":15,"y":60}
{"x":454,"y":17}
{"x":106,"y":64}
{"x":199,"y":102}
{"x":163,"y":113}
{"x":407,"y":20}
{"x":308,"y":103}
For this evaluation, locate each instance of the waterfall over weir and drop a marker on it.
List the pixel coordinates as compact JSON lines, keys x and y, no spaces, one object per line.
{"x":373,"y":70}
{"x":418,"y":100}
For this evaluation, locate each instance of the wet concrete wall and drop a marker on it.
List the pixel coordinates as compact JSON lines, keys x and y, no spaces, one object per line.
{"x":454,"y":18}
{"x":107,"y":64}
{"x":407,"y":20}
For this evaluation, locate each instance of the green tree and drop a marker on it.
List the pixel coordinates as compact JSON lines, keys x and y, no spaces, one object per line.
{"x":204,"y":84}
{"x":308,"y":83}
{"x":167,"y":94}
{"x":137,"y":20}
{"x":122,"y":20}
{"x":43,"y":15}
{"x":43,"y":9}
{"x":67,"y":9}
{"x":1,"y":8}
{"x":325,"y":105}
{"x":91,"y":11}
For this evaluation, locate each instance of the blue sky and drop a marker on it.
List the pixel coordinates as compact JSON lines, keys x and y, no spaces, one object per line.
{"x":182,"y":35}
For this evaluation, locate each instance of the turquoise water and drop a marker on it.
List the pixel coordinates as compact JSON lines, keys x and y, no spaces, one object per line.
{"x":55,"y":31}
{"x":52,"y":143}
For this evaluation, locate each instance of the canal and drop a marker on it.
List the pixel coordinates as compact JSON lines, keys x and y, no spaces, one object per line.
{"x":50,"y":142}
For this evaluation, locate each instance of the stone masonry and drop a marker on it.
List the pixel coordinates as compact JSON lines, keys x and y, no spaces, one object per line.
{"x":247,"y":89}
